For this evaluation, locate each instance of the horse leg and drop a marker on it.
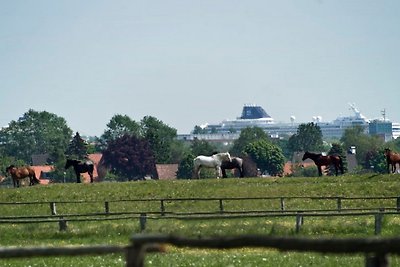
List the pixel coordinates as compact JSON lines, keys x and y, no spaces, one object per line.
{"x":78,"y":177}
{"x":218,"y":171}
{"x":91,"y":177}
{"x":223,"y":173}
{"x":319,"y":170}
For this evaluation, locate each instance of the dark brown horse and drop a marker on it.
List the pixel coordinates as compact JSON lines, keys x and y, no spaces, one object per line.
{"x":392,"y":158}
{"x":321,"y":160}
{"x":18,"y":173}
{"x":80,"y":167}
{"x":235,"y":163}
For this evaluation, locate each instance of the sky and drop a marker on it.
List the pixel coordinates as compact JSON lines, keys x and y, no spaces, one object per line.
{"x":192,"y":62}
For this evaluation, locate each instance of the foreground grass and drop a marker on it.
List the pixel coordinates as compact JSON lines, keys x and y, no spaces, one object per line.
{"x":118,"y":232}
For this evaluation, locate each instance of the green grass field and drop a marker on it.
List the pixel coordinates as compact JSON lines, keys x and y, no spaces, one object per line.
{"x":118,"y":232}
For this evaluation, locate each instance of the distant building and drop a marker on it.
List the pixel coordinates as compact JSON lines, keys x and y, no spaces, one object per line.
{"x":381,"y":128}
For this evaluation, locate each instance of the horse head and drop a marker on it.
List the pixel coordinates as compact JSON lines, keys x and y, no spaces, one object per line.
{"x":306,"y":155}
{"x":10,"y":168}
{"x":387,"y":151}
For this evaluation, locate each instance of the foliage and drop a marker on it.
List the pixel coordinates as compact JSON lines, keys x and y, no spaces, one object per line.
{"x":363,"y":142}
{"x":118,"y":126}
{"x":160,"y":137}
{"x":185,"y":167}
{"x":202,"y":147}
{"x":247,"y":136}
{"x":267,"y":156}
{"x":199,"y":130}
{"x":307,"y":138}
{"x":130,"y":157}
{"x":338,"y":150}
{"x":300,"y":171}
{"x":34,"y":133}
{"x":77,"y":148}
{"x":376,"y":161}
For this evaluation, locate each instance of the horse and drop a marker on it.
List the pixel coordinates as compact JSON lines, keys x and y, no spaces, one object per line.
{"x":321,"y":160}
{"x":235,"y":163}
{"x":215,"y":161}
{"x":80,"y":167}
{"x":18,"y":173}
{"x":392,"y":158}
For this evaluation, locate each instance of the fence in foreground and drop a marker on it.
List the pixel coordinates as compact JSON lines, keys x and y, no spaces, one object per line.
{"x":376,"y":250}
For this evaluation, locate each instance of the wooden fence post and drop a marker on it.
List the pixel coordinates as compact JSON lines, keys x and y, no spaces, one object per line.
{"x":221,"y":206}
{"x":378,"y":221}
{"x":142,"y":221}
{"x":107,"y":207}
{"x":62,"y":223}
{"x":299,"y":221}
{"x":135,"y":255}
{"x":162,"y":207}
{"x":398,"y":204}
{"x":339,"y":204}
{"x":282,"y":204}
{"x":53,"y":208}
{"x":377,"y":260}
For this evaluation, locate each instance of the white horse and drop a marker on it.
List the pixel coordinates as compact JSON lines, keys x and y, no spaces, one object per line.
{"x":214,"y":161}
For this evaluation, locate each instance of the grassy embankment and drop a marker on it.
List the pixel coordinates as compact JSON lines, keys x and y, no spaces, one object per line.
{"x":118,"y":232}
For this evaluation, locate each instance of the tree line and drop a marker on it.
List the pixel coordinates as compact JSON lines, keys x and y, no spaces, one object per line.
{"x":132,"y":148}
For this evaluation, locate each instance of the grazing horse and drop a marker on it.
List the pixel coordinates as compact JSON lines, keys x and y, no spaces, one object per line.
{"x":392,"y":158}
{"x":235,"y":163}
{"x":18,"y":173}
{"x":321,"y":160}
{"x":215,"y":161}
{"x":80,"y":167}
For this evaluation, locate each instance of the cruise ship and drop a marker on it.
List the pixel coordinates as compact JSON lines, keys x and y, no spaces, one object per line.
{"x":256,"y":116}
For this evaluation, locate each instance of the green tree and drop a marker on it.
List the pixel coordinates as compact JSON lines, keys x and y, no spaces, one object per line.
{"x":160,"y":136}
{"x":247,"y":136}
{"x":363,"y":142}
{"x":198,"y":130}
{"x":185,"y":167}
{"x":34,"y":133}
{"x":77,"y":148}
{"x":202,"y":147}
{"x":307,"y":138}
{"x":118,"y":126}
{"x":267,"y":156}
{"x":131,"y":158}
{"x":375,"y":160}
{"x":338,"y":150}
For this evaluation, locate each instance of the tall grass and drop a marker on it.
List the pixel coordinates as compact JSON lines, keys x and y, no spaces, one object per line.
{"x":118,"y":232}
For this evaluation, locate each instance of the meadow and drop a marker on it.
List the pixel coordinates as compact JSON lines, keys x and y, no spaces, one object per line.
{"x":118,"y":232}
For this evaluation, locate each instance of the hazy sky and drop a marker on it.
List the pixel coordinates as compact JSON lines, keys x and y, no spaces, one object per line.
{"x":191,"y":62}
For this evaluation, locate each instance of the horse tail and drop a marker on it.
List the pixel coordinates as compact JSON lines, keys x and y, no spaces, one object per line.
{"x":34,"y":178}
{"x":341,"y":164}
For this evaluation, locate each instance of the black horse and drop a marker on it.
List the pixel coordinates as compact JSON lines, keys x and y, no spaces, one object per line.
{"x":80,"y":167}
{"x":321,"y":160}
{"x":235,"y":163}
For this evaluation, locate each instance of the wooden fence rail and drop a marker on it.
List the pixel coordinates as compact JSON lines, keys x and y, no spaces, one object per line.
{"x":220,"y":202}
{"x":376,"y":250}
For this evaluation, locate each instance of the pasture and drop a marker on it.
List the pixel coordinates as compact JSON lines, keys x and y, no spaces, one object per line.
{"x":90,"y":198}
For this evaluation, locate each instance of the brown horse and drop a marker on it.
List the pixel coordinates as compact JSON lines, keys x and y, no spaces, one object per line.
{"x":321,"y":160}
{"x":18,"y":173}
{"x":235,"y":163}
{"x":392,"y":158}
{"x":80,"y":167}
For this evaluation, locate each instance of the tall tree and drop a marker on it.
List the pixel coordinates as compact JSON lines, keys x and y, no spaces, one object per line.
{"x":118,"y":126}
{"x":247,"y":135}
{"x":185,"y":167}
{"x":77,"y":148}
{"x":34,"y":133}
{"x":267,"y":156}
{"x":307,"y":138}
{"x":202,"y":147}
{"x":363,"y":142}
{"x":130,"y":157}
{"x":160,"y":137}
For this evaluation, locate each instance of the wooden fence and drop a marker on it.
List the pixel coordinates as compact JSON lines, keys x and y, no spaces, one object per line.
{"x":376,"y":250}
{"x":218,"y":212}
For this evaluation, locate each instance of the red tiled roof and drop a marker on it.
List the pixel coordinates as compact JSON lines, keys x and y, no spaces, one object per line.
{"x":166,"y":171}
